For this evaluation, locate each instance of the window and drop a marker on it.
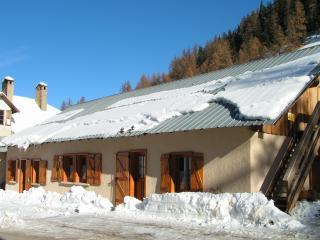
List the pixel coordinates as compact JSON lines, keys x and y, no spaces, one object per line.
{"x":1,"y":117}
{"x":183,"y":175}
{"x":181,"y":172}
{"x":35,"y":171}
{"x":67,"y":166}
{"x":81,"y":169}
{"x":12,"y":171}
{"x":77,"y":168}
{"x":38,"y":171}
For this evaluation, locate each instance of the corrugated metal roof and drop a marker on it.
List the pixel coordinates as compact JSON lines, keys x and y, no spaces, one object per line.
{"x":217,"y":115}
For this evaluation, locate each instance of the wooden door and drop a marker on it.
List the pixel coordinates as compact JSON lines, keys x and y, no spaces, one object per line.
{"x":122,"y":179}
{"x":25,"y":175}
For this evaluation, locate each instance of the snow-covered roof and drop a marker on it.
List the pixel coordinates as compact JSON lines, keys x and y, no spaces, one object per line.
{"x":250,"y":94}
{"x":30,"y":114}
{"x":42,"y":84}
{"x":8,"y":78}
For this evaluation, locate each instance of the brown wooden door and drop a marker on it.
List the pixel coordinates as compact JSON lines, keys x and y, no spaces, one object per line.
{"x":25,"y":175}
{"x":122,"y":177}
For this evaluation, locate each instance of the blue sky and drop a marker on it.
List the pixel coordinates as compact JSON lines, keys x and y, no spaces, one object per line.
{"x":88,"y":48}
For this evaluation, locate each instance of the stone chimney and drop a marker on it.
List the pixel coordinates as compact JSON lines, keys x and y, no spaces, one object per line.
{"x":41,"y":95}
{"x":8,"y":87}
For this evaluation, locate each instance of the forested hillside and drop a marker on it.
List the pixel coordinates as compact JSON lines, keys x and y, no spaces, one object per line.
{"x":277,"y":27}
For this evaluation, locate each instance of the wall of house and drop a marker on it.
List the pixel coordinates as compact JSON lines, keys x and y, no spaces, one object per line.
{"x":226,"y":156}
{"x":5,"y":130}
{"x":263,"y":151}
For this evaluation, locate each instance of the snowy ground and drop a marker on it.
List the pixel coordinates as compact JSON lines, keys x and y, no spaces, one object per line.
{"x":84,"y":215}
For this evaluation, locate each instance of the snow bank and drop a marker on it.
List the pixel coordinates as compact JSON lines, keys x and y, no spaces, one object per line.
{"x":37,"y":203}
{"x":228,"y":209}
{"x":306,"y":210}
{"x":30,"y":114}
{"x":260,"y":94}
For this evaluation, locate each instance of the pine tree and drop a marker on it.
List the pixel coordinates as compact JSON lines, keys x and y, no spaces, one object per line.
{"x":184,"y":66}
{"x":126,"y":87}
{"x":63,"y":106}
{"x":296,"y":24}
{"x":81,"y":100}
{"x":144,"y":82}
{"x":69,"y":102}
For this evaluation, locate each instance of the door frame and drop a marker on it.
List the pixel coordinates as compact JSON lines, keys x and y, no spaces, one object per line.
{"x":145,"y":152}
{"x":131,"y":183}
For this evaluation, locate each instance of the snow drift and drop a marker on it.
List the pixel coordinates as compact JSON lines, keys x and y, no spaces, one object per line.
{"x":260,"y":94}
{"x":226,"y":209}
{"x":223,"y":210}
{"x":37,"y":203}
{"x":307,"y":210}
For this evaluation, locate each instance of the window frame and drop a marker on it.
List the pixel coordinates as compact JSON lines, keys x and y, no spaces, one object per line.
{"x":170,"y":172}
{"x":12,"y":171}
{"x":76,"y":179}
{"x":2,"y":117}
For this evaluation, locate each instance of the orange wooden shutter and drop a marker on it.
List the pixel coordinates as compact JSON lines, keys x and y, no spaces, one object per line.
{"x":56,"y":168}
{"x":90,"y":169}
{"x":43,"y":164}
{"x":97,"y":168}
{"x":196,"y":178}
{"x":28,"y":175}
{"x":166,"y":184}
{"x":122,"y":177}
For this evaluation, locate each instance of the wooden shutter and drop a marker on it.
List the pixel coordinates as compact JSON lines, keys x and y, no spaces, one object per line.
{"x":43,"y":165}
{"x":90,"y":169}
{"x":27,"y":177}
{"x":97,"y":168}
{"x":166,"y":184}
{"x":122,"y":177}
{"x":56,"y":168}
{"x":196,"y":178}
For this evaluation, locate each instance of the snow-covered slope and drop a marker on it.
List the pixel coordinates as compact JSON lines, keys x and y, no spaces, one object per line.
{"x":260,"y":94}
{"x":30,"y":114}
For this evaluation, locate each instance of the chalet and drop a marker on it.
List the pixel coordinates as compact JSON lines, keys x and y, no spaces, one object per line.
{"x":18,"y":113}
{"x":248,"y":128}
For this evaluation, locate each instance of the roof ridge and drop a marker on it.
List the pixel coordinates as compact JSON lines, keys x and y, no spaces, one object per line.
{"x":198,"y":75}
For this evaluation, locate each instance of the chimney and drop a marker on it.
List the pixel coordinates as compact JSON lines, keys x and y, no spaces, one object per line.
{"x":8,"y":86}
{"x":41,"y":95}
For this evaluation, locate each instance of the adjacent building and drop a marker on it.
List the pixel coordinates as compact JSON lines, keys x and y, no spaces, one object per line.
{"x":18,"y":113}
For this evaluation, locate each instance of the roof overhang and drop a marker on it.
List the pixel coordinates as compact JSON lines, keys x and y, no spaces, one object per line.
{"x":313,"y":82}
